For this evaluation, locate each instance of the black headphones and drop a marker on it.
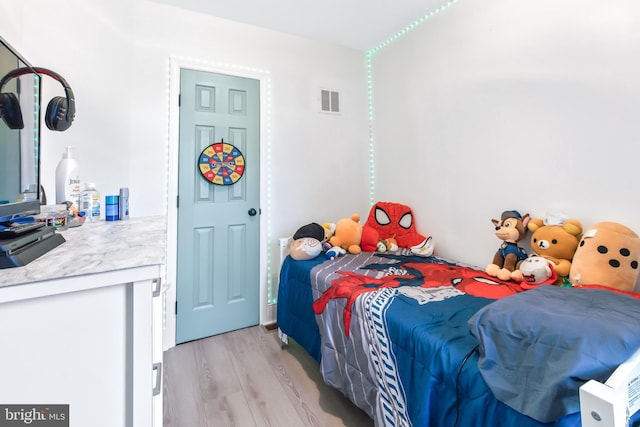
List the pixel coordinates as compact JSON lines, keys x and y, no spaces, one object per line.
{"x":60,"y":111}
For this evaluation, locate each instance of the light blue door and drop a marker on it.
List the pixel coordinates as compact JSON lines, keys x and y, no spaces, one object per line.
{"x":218,"y":225}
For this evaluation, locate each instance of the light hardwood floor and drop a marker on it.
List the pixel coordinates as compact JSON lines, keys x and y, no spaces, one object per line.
{"x":244,"y":379}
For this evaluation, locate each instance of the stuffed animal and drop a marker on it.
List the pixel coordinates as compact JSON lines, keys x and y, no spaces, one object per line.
{"x":370,"y":240}
{"x":314,"y":230}
{"x":348,"y":233}
{"x":391,"y":244}
{"x":389,"y":220}
{"x":308,"y":241}
{"x":510,"y":229}
{"x":425,"y":248}
{"x":387,"y":245}
{"x":556,"y":239}
{"x":334,"y":252}
{"x":305,"y":248}
{"x":607,"y":255}
{"x":537,"y":270}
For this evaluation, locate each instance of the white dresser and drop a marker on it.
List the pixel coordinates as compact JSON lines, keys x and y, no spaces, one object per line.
{"x":81,"y":325}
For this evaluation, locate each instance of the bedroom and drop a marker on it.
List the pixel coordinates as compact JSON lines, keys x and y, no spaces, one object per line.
{"x":545,"y":90}
{"x":548,"y":88}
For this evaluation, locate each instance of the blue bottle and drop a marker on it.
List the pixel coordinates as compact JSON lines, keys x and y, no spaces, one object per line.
{"x":111,"y":208}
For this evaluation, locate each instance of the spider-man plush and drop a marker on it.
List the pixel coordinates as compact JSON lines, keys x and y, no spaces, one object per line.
{"x":393,"y":220}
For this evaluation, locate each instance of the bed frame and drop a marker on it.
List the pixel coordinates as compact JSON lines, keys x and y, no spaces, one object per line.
{"x":611,"y":403}
{"x":608,"y":404}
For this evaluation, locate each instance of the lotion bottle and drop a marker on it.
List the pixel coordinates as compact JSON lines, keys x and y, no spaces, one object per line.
{"x":68,"y":179}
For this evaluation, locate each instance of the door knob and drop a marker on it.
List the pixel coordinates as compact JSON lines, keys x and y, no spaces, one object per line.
{"x":252,"y":212}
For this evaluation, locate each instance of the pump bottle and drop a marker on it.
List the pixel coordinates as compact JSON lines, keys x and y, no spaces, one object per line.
{"x":68,"y":179}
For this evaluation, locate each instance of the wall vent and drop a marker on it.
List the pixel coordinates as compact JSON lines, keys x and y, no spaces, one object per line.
{"x":329,"y":101}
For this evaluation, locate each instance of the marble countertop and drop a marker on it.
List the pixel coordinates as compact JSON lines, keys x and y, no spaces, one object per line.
{"x":96,"y":247}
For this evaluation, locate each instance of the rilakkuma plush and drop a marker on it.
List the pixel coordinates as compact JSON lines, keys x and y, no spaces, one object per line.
{"x":556,"y":239}
{"x":511,"y":228}
{"x":348,"y":234}
{"x":394,"y":220}
{"x":308,"y":241}
{"x":608,"y":255}
{"x":537,"y":270}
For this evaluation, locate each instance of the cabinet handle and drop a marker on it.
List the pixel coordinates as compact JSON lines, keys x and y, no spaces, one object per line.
{"x":158,"y":368}
{"x":157,"y":282}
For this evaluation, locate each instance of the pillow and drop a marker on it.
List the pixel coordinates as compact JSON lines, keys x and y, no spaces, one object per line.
{"x":538,"y":347}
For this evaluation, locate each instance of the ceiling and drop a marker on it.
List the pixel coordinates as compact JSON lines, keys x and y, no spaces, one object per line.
{"x":357,"y":24}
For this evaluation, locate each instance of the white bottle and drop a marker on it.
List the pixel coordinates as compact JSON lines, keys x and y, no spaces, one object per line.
{"x":68,"y":179}
{"x":90,"y":202}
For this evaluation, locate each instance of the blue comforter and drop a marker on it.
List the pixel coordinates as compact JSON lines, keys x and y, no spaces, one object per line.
{"x":537,"y":348}
{"x":421,"y":359}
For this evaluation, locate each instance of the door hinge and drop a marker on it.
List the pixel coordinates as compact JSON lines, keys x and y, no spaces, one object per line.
{"x":176,"y":307}
{"x":179,"y":100}
{"x":177,"y":202}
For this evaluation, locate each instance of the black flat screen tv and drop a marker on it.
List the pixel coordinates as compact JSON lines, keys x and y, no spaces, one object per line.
{"x":19,"y":144}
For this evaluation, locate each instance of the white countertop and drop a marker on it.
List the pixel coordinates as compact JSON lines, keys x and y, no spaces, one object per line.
{"x":96,"y":247}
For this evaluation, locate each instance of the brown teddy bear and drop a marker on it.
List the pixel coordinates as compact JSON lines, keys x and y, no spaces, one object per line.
{"x":555,"y":239}
{"x":608,"y":255}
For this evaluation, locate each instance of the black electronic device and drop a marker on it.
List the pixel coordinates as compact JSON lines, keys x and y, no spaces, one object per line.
{"x":19,"y":148}
{"x":17,"y":229}
{"x":21,"y":250}
{"x":24,"y":240}
{"x":60,"y":111}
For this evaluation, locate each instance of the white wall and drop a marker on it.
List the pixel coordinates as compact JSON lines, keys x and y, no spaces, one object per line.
{"x":118,"y":66}
{"x":118,"y":63}
{"x":491,"y":106}
{"x":78,"y":40}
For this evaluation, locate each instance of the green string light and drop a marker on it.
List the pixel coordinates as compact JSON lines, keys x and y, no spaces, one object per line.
{"x":265,"y":74}
{"x":271,"y":296}
{"x":36,"y":129}
{"x":369,"y":55}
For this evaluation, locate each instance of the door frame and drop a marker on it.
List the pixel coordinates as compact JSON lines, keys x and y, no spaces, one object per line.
{"x":176,"y":63}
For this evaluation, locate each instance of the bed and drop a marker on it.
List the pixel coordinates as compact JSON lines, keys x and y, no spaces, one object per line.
{"x":423,"y":341}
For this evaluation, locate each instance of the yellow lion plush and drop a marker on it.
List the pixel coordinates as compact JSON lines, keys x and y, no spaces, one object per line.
{"x":347,"y":235}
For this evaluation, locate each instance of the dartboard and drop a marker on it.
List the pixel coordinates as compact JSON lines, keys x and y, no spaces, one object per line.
{"x":221,"y":163}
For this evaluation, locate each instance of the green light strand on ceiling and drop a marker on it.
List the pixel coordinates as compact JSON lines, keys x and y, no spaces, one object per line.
{"x":369,"y":55}
{"x":410,"y":27}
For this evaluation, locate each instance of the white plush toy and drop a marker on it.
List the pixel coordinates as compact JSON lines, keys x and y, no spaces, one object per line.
{"x":537,"y":270}
{"x":335,"y":252}
{"x":305,"y":248}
